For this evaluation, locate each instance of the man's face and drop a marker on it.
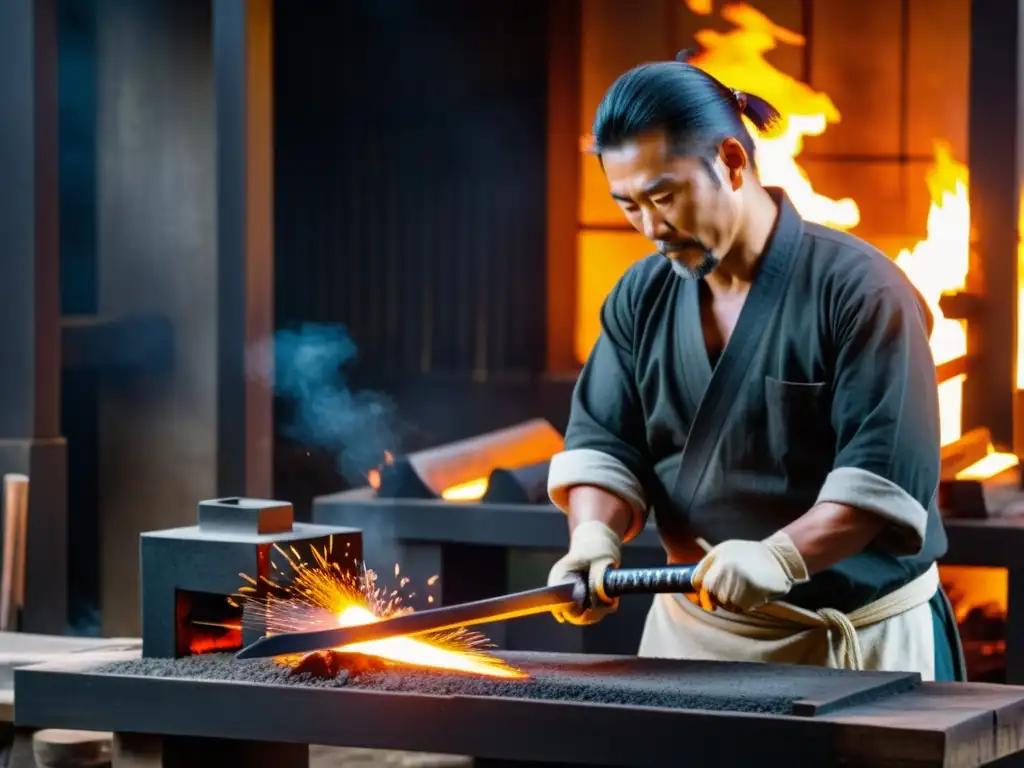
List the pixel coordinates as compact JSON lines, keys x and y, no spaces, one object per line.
{"x":689,"y":207}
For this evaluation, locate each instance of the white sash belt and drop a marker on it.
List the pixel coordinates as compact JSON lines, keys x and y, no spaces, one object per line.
{"x":843,"y":627}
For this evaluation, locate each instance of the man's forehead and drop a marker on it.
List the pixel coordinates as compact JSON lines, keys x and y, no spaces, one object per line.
{"x":649,"y":151}
{"x":650,"y":178}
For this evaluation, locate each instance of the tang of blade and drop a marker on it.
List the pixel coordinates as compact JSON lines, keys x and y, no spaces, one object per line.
{"x":534,"y":601}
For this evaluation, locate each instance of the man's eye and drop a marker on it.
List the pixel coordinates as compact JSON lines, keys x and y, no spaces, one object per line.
{"x":662,"y":201}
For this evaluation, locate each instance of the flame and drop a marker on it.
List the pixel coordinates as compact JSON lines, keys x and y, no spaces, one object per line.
{"x":736,"y":58}
{"x":322,"y":594}
{"x":936,"y":265}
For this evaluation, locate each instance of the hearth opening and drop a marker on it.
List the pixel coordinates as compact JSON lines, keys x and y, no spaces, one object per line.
{"x":206,"y":623}
{"x":980,"y":599}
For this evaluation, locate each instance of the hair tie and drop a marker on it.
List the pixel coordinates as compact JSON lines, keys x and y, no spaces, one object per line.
{"x":741,"y":99}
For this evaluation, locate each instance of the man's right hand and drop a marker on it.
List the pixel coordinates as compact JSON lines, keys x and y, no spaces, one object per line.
{"x":593,"y":548}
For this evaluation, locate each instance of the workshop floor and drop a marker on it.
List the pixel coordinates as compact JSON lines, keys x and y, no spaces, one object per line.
{"x":337,"y":757}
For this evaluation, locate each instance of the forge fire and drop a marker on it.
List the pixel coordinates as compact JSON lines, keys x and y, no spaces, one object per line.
{"x":322,"y":594}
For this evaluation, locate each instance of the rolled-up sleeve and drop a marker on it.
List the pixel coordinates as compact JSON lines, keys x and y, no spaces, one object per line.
{"x":605,"y":441}
{"x":885,"y":414}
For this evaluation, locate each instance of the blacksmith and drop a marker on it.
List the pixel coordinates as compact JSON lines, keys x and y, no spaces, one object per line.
{"x":763,"y":386}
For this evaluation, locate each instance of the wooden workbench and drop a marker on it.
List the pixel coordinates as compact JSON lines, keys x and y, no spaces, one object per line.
{"x":936,"y":724}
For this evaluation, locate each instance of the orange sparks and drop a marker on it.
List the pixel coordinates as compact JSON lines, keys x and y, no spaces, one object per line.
{"x":322,"y":594}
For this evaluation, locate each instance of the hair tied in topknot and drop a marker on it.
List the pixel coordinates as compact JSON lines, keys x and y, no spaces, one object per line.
{"x":741,"y":99}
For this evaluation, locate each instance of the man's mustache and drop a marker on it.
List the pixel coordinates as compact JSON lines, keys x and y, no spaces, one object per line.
{"x":675,"y":246}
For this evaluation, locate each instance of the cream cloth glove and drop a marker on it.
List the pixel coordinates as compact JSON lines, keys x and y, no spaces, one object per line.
{"x":742,"y":575}
{"x":593,"y":548}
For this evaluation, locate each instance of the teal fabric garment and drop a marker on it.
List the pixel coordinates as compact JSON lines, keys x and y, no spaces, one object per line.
{"x":949,"y":655}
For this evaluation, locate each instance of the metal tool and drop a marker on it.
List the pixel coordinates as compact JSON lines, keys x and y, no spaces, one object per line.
{"x":567,"y":596}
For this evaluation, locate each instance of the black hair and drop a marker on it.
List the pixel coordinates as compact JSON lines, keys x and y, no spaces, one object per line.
{"x":692,"y":107}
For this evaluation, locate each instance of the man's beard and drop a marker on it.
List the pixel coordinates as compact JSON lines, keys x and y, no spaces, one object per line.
{"x":702,"y":269}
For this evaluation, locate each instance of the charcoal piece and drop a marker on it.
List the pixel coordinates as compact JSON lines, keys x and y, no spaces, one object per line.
{"x":329,"y":664}
{"x":400,"y":480}
{"x":526,"y":485}
{"x":694,"y":685}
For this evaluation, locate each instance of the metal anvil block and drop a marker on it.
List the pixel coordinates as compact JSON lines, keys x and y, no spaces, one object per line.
{"x":189,"y":573}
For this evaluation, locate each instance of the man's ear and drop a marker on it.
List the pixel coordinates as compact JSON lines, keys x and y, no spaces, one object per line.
{"x":735,"y":159}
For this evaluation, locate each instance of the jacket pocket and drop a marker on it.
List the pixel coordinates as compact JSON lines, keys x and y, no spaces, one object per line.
{"x":799,"y":429}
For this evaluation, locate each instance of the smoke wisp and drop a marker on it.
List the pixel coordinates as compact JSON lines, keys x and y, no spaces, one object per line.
{"x":309,"y":369}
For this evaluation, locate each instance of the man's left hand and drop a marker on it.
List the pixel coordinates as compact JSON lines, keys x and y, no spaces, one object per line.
{"x":742,"y":575}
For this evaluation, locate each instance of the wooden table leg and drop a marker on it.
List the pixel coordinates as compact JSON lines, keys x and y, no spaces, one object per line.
{"x":134,"y":750}
{"x":21,"y":754}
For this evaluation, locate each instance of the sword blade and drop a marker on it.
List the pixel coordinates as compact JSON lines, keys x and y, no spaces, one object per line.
{"x":516,"y":605}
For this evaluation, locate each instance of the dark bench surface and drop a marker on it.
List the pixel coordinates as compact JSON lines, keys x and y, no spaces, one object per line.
{"x":932,"y":724}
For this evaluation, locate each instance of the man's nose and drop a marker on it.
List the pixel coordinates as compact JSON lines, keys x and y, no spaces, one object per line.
{"x":655,"y":226}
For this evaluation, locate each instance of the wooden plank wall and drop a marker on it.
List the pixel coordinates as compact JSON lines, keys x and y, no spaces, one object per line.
{"x":897,"y":70}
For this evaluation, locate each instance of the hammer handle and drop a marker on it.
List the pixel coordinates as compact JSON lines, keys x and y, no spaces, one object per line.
{"x":648,"y":581}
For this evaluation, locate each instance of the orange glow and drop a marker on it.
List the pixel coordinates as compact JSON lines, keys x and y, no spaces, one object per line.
{"x":460,"y":471}
{"x":209,"y":643}
{"x":474,"y":490}
{"x":975,"y":587}
{"x":323,"y":594}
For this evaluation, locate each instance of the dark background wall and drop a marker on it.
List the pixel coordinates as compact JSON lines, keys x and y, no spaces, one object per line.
{"x":410,"y":207}
{"x":410,"y":164}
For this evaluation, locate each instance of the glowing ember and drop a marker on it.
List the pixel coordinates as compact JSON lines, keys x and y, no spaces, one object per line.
{"x":323,"y":595}
{"x":373,"y":476}
{"x":473,"y":490}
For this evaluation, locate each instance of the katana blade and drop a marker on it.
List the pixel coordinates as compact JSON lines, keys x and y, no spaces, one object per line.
{"x":519,"y":604}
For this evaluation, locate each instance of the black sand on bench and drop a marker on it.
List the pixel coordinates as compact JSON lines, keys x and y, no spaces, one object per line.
{"x":714,"y":686}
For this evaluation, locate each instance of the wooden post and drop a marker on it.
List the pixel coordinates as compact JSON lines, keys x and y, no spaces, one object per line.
{"x":995,"y":162}
{"x":30,"y":439}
